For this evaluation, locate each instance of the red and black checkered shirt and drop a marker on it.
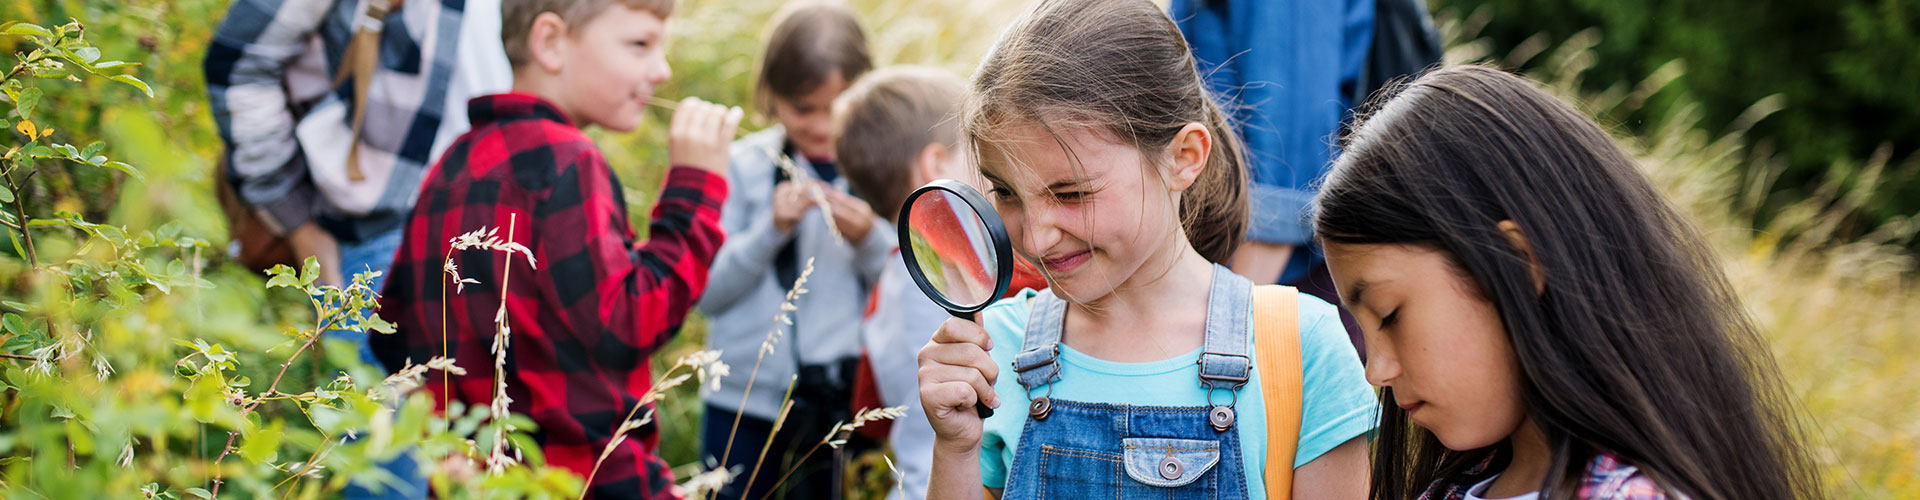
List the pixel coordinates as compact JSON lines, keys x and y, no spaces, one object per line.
{"x":586,"y":320}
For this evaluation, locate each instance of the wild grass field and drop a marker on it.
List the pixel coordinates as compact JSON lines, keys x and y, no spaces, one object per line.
{"x":1842,"y":317}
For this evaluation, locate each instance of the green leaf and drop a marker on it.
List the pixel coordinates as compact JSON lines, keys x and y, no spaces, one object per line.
{"x":93,"y":149}
{"x":113,"y":64}
{"x":374,"y":323}
{"x":282,"y":276}
{"x":28,"y":100}
{"x":6,"y":195}
{"x":309,"y":272}
{"x":26,"y":29}
{"x":86,"y":54}
{"x":135,"y":82}
{"x":263,"y":444}
{"x":200,"y":492}
{"x":128,"y":169}
{"x":14,"y":324}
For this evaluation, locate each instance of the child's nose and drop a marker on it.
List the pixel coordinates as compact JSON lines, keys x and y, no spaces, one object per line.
{"x":1038,"y":231}
{"x":1382,"y":367}
{"x":663,"y":71}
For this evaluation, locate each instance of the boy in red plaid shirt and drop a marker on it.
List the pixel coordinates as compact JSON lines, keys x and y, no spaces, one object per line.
{"x":595,"y":303}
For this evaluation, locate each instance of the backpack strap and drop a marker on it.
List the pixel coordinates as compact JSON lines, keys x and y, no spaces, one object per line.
{"x":1276,"y":354}
{"x":359,"y":62}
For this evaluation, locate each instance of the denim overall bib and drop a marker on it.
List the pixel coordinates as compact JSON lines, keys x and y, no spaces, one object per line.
{"x":1071,"y":449}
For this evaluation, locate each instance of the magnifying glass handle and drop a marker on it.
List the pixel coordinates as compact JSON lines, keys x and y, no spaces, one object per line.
{"x":981,"y":407}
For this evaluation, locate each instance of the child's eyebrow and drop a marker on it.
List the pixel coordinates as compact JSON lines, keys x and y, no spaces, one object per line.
{"x":1356,"y":293}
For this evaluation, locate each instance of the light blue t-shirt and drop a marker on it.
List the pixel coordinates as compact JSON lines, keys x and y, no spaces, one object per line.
{"x":1336,"y":402}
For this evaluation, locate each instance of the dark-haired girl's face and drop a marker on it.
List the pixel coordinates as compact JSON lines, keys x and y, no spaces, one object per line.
{"x":1434,"y":338}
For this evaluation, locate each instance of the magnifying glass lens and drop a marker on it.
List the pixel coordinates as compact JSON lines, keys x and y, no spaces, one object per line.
{"x":953,"y":248}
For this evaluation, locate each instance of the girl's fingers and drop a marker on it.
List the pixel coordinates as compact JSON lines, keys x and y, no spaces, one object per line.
{"x":963,"y":331}
{"x":960,"y":355}
{"x":940,"y":374}
{"x":943,"y":399}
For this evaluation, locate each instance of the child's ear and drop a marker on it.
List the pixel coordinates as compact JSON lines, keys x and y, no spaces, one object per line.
{"x":1189,"y":150}
{"x":930,"y":164}
{"x":1518,"y":239}
{"x":546,"y":42}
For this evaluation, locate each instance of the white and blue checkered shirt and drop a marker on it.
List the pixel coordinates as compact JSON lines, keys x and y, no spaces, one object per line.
{"x":288,"y":129}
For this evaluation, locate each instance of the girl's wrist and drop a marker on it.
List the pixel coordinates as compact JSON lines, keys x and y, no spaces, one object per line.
{"x":957,"y":448}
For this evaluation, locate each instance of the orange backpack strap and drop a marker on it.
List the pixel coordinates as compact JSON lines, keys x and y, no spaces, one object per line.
{"x":1276,"y":353}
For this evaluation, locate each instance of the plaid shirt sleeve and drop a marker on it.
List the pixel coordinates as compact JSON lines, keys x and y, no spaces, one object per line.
{"x":245,"y":68}
{"x":638,"y":292}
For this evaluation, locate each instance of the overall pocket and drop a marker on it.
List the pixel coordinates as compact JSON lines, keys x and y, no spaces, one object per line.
{"x":1171,"y":468}
{"x":1076,"y":473}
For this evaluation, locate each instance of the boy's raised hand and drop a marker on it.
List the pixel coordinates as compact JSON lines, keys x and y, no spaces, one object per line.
{"x":955,"y":374}
{"x":700,"y":134}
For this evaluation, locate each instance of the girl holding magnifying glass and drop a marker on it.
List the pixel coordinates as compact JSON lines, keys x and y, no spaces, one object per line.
{"x":1133,"y":375}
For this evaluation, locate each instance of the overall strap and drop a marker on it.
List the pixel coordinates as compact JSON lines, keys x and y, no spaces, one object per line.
{"x":1225,"y":364}
{"x":1039,"y":360}
{"x":1276,"y":342}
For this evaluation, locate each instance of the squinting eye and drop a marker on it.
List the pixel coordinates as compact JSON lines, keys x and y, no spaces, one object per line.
{"x":1389,"y":319}
{"x":1070,"y":195}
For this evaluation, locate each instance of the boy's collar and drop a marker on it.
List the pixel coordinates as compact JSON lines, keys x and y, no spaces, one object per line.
{"x":513,"y":106}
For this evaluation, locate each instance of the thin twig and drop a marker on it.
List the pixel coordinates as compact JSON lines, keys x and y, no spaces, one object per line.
{"x":661,"y":102}
{"x":20,"y":208}
{"x":272,"y":389}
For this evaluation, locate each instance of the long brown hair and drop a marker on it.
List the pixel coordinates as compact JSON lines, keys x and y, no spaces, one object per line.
{"x":1119,"y":67}
{"x":1638,"y":345}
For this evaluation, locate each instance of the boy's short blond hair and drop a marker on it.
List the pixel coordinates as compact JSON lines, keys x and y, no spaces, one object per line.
{"x":885,"y":120}
{"x":516,"y":18}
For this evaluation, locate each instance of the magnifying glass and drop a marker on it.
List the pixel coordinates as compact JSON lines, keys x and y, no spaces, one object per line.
{"x":956,"y":249}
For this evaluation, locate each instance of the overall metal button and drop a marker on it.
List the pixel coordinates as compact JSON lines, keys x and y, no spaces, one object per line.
{"x":1171,"y":468}
{"x":1221,"y":418}
{"x":1040,"y":408}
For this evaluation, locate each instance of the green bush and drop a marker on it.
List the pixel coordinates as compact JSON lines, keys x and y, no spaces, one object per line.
{"x":1844,"y":71}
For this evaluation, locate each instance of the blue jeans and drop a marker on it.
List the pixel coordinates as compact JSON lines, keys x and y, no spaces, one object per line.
{"x":377,"y":254}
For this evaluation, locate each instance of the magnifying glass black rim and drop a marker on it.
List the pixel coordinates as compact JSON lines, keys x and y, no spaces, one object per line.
{"x":996,"y":230}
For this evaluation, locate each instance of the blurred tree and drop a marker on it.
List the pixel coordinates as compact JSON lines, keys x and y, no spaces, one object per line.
{"x":1846,"y":70}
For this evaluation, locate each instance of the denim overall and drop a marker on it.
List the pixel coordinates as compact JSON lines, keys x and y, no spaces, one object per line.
{"x":1071,"y":449}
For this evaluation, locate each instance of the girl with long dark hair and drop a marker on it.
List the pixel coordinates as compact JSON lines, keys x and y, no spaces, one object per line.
{"x":1542,"y":322}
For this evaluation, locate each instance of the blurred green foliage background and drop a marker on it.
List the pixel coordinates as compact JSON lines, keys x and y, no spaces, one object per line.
{"x":1843,"y":74}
